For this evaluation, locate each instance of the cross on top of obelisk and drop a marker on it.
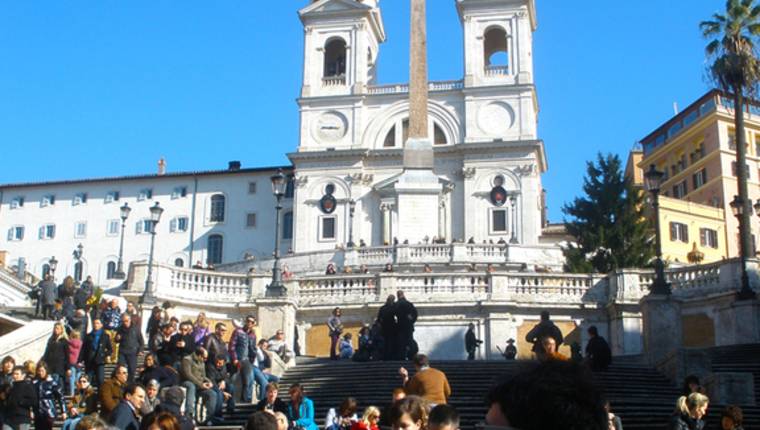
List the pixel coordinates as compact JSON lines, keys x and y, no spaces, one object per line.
{"x":418,"y":150}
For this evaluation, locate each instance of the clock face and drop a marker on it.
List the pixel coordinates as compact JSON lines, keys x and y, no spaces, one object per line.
{"x":331,"y":127}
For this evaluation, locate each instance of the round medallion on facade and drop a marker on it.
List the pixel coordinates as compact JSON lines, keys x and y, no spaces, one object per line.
{"x":498,"y":193}
{"x":328,"y":203}
{"x":330,"y":127}
{"x":496,"y":118}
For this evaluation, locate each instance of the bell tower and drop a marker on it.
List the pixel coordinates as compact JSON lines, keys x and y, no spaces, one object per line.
{"x":498,"y":41}
{"x":341,"y":45}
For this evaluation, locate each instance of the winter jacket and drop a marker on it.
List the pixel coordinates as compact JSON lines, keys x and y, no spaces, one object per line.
{"x":57,"y":355}
{"x":130,"y":339}
{"x":93,"y":355}
{"x":74,"y":349}
{"x":406,"y":314}
{"x":22,"y":397}
{"x":304,"y":415}
{"x":80,"y":298}
{"x":199,"y":334}
{"x":193,"y":369}
{"x":239,"y":345}
{"x":111,"y":318}
{"x":110,"y":395}
{"x":685,"y":422}
{"x":179,"y":353}
{"x":124,"y":417}
{"x":166,"y":376}
{"x":48,"y":292}
{"x":49,"y":398}
{"x":86,"y":401}
{"x":215,"y":347}
{"x":542,"y":329}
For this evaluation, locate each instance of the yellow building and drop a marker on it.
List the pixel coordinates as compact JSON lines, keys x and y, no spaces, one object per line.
{"x":696,"y":150}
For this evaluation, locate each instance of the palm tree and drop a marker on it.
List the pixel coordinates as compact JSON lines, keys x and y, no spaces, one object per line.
{"x":736,"y":69}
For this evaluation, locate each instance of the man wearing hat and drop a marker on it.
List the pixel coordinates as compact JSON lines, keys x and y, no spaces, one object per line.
{"x":510,"y":352}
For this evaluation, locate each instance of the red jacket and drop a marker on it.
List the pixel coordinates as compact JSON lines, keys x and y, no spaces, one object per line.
{"x":75,"y":346}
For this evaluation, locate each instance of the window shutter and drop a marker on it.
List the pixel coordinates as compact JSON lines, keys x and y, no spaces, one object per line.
{"x":10,"y":234}
{"x":704,"y":175}
{"x":703,"y":236}
{"x":685,"y":233}
{"x":138,"y":227}
{"x":52,"y":231}
{"x":41,"y":233}
{"x":173,"y":225}
{"x":673,"y":232}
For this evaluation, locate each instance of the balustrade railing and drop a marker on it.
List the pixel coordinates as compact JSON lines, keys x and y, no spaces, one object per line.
{"x":376,"y":255}
{"x":206,"y":285}
{"x":496,"y":71}
{"x":334,"y":81}
{"x":704,"y":276}
{"x":487,"y":251}
{"x":539,"y":285}
{"x":335,"y":286}
{"x":404,"y":88}
{"x":474,"y":286}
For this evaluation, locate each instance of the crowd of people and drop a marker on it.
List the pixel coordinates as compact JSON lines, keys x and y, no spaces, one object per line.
{"x":188,"y":370}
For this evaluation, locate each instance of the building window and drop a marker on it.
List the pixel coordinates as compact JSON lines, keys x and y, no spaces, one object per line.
{"x":79,"y":199}
{"x":145,"y":194}
{"x":144,"y":226}
{"x":680,"y":189}
{"x":215,"y":245}
{"x":45,"y":270}
{"x":112,"y":196}
{"x":179,"y":262}
{"x":499,"y":220}
{"x":178,"y":225}
{"x":328,"y":228}
{"x":179,"y":192}
{"x":439,"y":137}
{"x":113,"y":227}
{"x":17,"y":202}
{"x":699,"y":178}
{"x":731,"y":139}
{"x":495,"y":48}
{"x":290,"y":187}
{"x":287,"y":226}
{"x":390,"y":138}
{"x":48,"y":200}
{"x":335,"y":58}
{"x":679,"y":232}
{"x":251,"y":188}
{"x":47,"y":232}
{"x":217,"y":208}
{"x":250,"y":220}
{"x":80,"y":230}
{"x":110,"y":270}
{"x":16,"y":233}
{"x":708,"y":237}
{"x":78,"y":269}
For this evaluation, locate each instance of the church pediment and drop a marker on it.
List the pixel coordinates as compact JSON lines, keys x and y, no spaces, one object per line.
{"x":333,"y":6}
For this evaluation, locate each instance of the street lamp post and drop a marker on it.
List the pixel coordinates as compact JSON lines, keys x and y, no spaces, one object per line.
{"x":155,"y":217}
{"x":351,"y":211}
{"x":738,"y":207}
{"x":276,"y":288}
{"x":124,"y":212}
{"x":53,"y":264}
{"x":652,"y":181}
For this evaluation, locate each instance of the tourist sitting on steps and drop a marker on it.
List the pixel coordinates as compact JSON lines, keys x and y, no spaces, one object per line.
{"x":443,"y":417}
{"x":346,"y":348}
{"x":271,"y":402}
{"x":689,"y":412}
{"x":110,"y":391}
{"x":528,"y":399}
{"x":369,"y":420}
{"x":731,"y":418}
{"x":195,"y":381}
{"x":83,"y":402}
{"x":344,"y":417}
{"x":126,"y":415}
{"x":300,"y":409}
{"x":409,"y":413}
{"x":550,"y":350}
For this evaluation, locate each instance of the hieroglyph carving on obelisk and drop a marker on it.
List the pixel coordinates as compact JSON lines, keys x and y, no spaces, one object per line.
{"x":418,"y":150}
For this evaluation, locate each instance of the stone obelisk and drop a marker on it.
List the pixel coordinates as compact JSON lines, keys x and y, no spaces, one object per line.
{"x":418,"y":189}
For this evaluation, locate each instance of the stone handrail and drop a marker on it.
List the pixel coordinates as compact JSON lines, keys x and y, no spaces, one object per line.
{"x":332,"y":81}
{"x":496,"y":70}
{"x":404,"y":88}
{"x":551,"y":287}
{"x":13,"y":292}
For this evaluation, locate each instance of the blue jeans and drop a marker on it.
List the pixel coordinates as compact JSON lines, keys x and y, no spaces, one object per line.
{"x":263,"y":379}
{"x":75,"y":372}
{"x":208,"y":396}
{"x":71,"y":423}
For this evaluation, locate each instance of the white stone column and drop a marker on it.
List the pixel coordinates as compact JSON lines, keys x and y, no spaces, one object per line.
{"x":386,"y":212}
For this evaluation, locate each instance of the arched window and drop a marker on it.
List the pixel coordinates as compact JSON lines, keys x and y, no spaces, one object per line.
{"x":390,"y":138}
{"x":214,"y":248}
{"x":439,"y":137}
{"x":217,"y":208}
{"x":45,"y":270}
{"x":287,"y":226}
{"x":110,"y":270}
{"x":178,"y":262}
{"x":335,"y":58}
{"x":495,"y":48}
{"x":78,"y":269}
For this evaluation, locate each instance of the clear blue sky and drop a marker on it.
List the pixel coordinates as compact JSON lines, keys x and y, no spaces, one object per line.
{"x":105,"y":88}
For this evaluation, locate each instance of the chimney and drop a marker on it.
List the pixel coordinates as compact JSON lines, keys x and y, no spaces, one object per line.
{"x":234,"y":165}
{"x":161,"y":166}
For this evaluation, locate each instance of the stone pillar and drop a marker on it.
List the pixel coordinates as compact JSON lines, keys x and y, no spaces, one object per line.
{"x":662,"y":326}
{"x":746,"y":321}
{"x":385,"y":209}
{"x":277,"y":314}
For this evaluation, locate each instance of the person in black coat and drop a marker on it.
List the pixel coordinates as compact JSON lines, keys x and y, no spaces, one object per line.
{"x":48,"y":295}
{"x":21,"y":398}
{"x":271,"y":402}
{"x":125,"y":416}
{"x":56,"y":353}
{"x":154,"y":324}
{"x":388,"y":327}
{"x":544,"y":328}
{"x":95,"y":349}
{"x":406,"y":316}
{"x":471,"y":342}
{"x":182,"y":343}
{"x":598,"y":352}
{"x":216,"y":371}
{"x":131,"y":343}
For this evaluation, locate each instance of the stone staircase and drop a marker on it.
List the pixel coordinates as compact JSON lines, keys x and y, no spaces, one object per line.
{"x":738,"y":358}
{"x":641,"y":396}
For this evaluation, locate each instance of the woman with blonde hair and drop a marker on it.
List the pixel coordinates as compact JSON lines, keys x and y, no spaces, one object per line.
{"x":689,"y":412}
{"x":369,"y":420}
{"x":56,"y":354}
{"x":200,"y":328}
